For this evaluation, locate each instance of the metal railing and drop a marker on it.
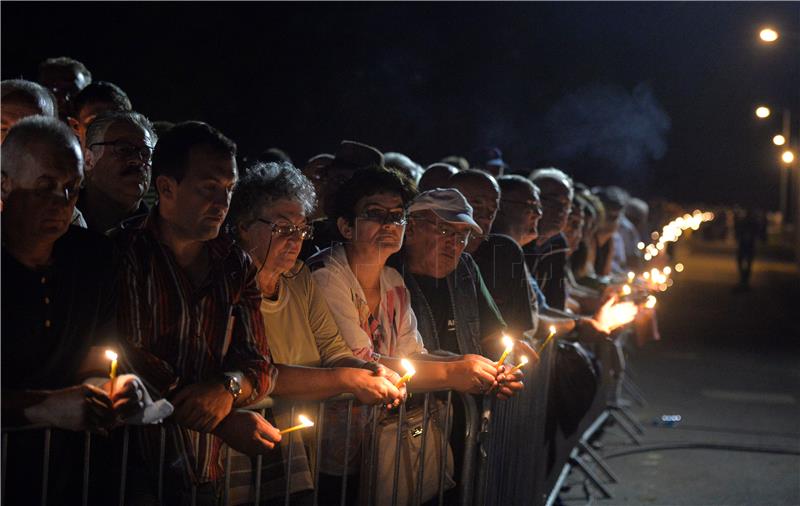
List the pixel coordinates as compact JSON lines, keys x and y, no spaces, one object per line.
{"x":504,"y":457}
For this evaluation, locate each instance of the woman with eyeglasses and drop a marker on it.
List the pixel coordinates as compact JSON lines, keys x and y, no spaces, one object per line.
{"x":268,"y":218}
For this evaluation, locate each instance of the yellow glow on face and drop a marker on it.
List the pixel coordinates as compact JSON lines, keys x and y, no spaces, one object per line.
{"x":787,"y":156}
{"x":305,"y":421}
{"x":779,"y":140}
{"x":111,"y":355}
{"x":763,"y":112}
{"x":768,"y":35}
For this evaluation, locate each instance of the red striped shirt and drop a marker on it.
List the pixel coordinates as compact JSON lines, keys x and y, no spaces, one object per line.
{"x":175,"y":334}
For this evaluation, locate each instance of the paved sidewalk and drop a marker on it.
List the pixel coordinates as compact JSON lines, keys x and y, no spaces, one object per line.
{"x":729,"y":364}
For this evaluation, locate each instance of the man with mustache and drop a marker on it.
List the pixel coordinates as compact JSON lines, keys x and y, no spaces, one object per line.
{"x":118,"y":152}
{"x":189,"y":312}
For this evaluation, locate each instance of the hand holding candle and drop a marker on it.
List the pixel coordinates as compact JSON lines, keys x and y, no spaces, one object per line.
{"x":410,"y":371}
{"x":523,"y":360}
{"x":614,"y":314}
{"x":304,"y":422}
{"x":509,"y":344}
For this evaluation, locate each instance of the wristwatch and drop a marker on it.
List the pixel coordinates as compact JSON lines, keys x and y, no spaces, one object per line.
{"x":233,"y":384}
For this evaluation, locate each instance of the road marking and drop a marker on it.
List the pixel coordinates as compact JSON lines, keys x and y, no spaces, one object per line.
{"x":742,"y":396}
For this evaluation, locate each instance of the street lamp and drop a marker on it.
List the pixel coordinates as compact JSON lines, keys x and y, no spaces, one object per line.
{"x":768,"y":35}
{"x":787,"y":157}
{"x":763,"y":112}
{"x":779,"y":140}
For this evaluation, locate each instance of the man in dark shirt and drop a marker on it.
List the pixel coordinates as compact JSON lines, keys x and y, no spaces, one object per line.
{"x":56,"y":304}
{"x":547,"y":255}
{"x":500,"y":258}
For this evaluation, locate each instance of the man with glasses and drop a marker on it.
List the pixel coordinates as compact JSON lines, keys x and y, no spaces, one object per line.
{"x":547,"y":255}
{"x":118,"y":153}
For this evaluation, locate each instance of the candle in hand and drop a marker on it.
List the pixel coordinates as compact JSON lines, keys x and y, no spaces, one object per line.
{"x":410,"y":371}
{"x":113,"y":373}
{"x":509,"y":344}
{"x":522,"y":361}
{"x":304,"y":422}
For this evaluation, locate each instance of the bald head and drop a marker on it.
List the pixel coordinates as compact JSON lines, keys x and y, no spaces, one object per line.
{"x":20,"y":99}
{"x":40,"y":138}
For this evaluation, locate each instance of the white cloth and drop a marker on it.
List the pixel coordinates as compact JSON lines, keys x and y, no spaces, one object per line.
{"x":151,"y":412}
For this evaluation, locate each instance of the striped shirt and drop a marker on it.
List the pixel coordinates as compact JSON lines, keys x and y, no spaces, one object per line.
{"x":176,"y":334}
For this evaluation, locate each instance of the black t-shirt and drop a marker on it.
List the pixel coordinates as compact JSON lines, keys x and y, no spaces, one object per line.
{"x":547,"y":263}
{"x":502,"y":267}
{"x":437,"y":295}
{"x":51,"y":317}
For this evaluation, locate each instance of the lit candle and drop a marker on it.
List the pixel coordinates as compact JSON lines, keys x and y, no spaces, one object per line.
{"x":651,"y":302}
{"x":304,"y":422}
{"x":410,"y":371}
{"x":626,"y":289}
{"x":552,"y":330}
{"x":113,"y":373}
{"x":631,"y":275}
{"x":522,"y":361}
{"x":509,"y":344}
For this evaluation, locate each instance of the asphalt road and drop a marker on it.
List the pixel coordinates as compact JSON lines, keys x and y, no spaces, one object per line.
{"x":729,"y":364}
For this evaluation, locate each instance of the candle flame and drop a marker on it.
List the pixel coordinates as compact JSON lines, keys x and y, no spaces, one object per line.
{"x":626,"y":289}
{"x":305,"y":421}
{"x":651,"y":302}
{"x":631,"y":275}
{"x":508,"y":343}
{"x":111,"y":355}
{"x":552,"y":329}
{"x":523,"y":360}
{"x":408,"y":367}
{"x":615,"y":314}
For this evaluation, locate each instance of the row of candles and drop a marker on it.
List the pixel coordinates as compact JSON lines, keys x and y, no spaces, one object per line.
{"x":672,"y":231}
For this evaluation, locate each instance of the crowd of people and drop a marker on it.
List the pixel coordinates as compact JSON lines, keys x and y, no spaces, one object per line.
{"x":220,"y":284}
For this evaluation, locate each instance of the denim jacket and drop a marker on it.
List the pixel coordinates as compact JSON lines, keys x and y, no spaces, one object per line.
{"x":463,"y":283}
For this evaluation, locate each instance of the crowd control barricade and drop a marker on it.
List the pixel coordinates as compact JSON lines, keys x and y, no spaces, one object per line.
{"x":123,"y":439}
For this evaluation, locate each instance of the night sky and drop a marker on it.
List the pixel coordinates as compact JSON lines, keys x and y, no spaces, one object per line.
{"x":657,"y":97}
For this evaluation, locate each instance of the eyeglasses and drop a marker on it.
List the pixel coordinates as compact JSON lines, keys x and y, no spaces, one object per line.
{"x":126,"y":150}
{"x":532,"y":205}
{"x":384,"y":216}
{"x":304,"y":232}
{"x":447,"y":232}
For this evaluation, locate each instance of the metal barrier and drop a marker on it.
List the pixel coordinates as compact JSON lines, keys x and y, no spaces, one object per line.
{"x":505,"y":447}
{"x":465,"y":484}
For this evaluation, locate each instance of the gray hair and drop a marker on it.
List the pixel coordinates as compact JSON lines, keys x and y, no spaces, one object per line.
{"x":29,"y":93}
{"x":265,"y":183}
{"x":29,"y":134}
{"x":553,"y":174}
{"x":514,"y":182}
{"x":96,"y":130}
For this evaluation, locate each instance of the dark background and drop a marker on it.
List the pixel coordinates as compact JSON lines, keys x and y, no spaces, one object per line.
{"x":658,"y":97}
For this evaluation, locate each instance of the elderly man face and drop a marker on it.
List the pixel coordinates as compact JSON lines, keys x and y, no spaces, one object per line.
{"x":13,"y":111}
{"x":484,"y":199}
{"x":435,"y":245}
{"x":118,"y":163}
{"x":522,"y":210}
{"x":40,"y":189}
{"x":556,"y":205}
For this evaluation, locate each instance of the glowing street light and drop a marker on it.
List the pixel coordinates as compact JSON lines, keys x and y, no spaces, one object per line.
{"x":763,"y":112}
{"x":787,"y":157}
{"x":779,"y":140}
{"x":768,"y":35}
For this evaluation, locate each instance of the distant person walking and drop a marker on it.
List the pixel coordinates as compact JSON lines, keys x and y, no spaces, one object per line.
{"x":749,"y":229}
